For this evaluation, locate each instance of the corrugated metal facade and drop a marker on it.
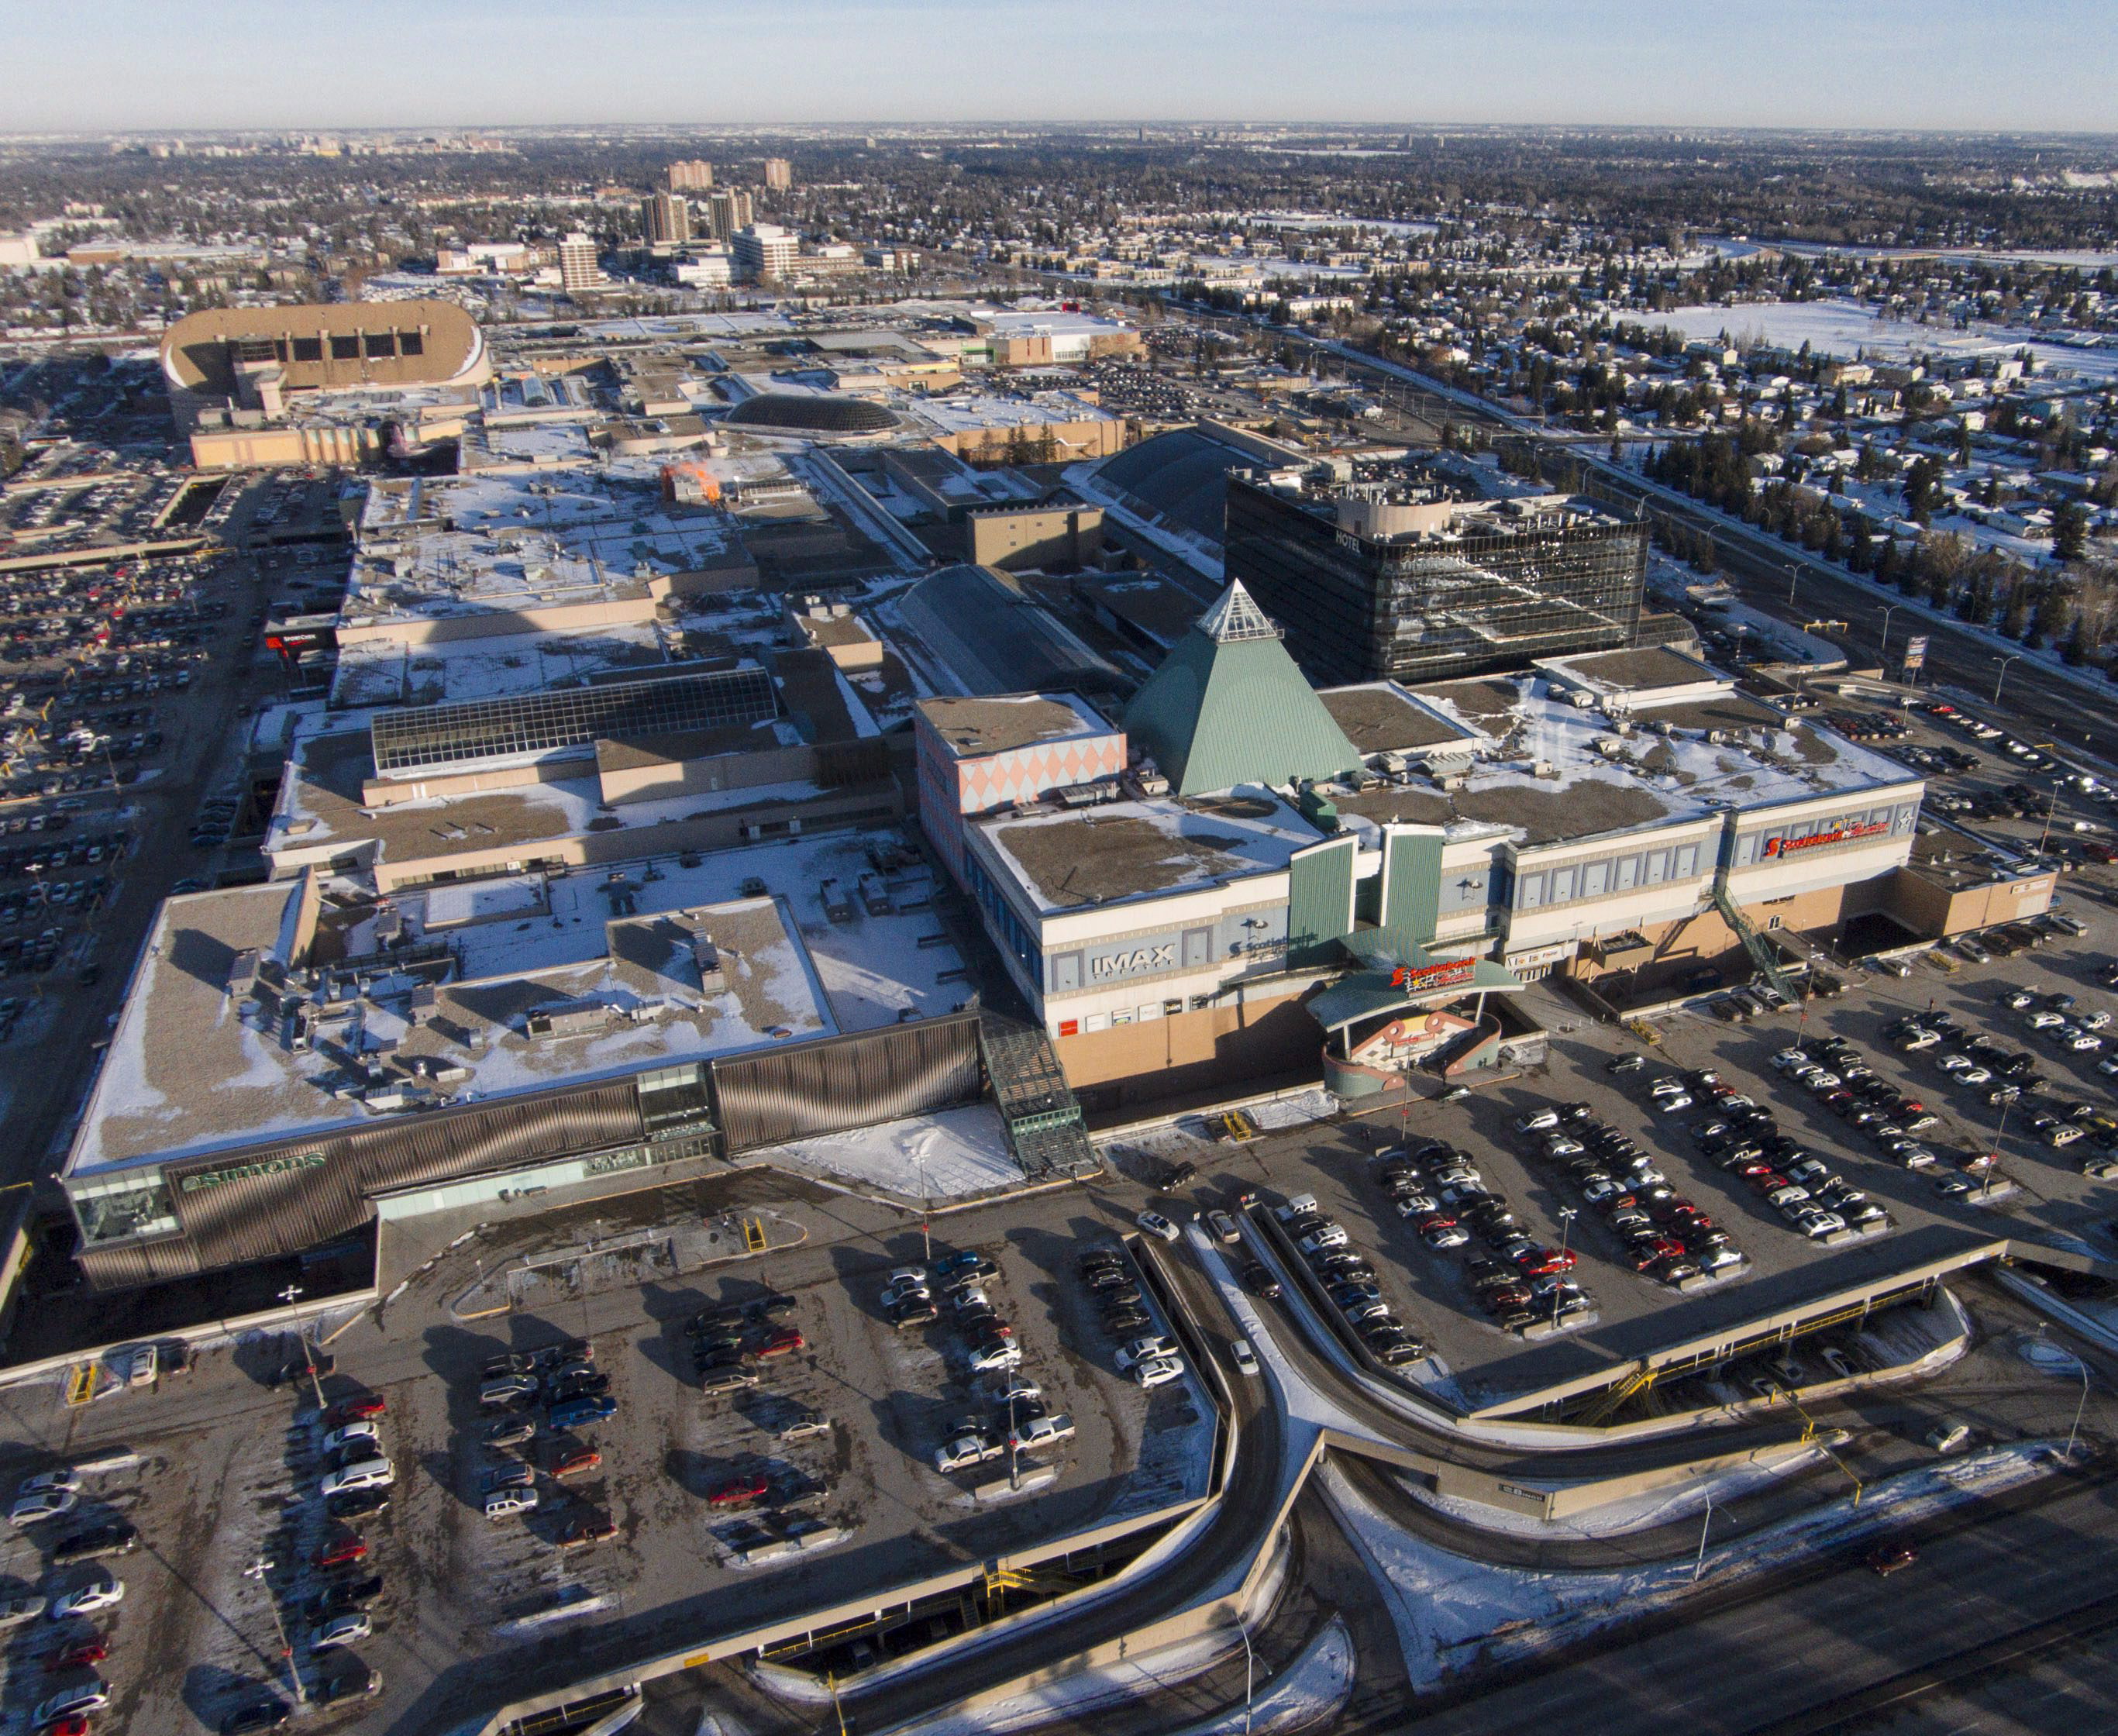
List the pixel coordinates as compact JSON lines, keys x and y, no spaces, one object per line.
{"x":840,"y":1083}
{"x":829,"y":1086}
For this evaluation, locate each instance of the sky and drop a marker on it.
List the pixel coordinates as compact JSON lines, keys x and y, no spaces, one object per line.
{"x":149,"y":65}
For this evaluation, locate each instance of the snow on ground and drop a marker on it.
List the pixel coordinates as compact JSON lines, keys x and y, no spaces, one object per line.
{"x":1617,"y":1519}
{"x":1453,"y":1614}
{"x":1845,"y":328}
{"x":1090,"y":1690}
{"x":1309,"y":1691}
{"x":1176,"y":1461}
{"x":954,"y":1155}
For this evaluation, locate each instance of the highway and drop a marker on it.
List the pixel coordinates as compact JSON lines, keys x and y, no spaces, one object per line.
{"x":1814,"y":1651}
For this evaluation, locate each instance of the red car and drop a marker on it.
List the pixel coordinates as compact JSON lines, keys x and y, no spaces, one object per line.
{"x":342,"y":1553}
{"x":738,"y":1491}
{"x":74,"y":1724}
{"x":1769,"y":1181}
{"x":364,"y":1409}
{"x":1542,"y":1263}
{"x":575,"y":1463}
{"x":81,"y":1656}
{"x":1647,"y":1253}
{"x":784,"y":1342}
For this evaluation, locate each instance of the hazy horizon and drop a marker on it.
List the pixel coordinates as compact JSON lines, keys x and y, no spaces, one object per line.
{"x":2034,"y":66}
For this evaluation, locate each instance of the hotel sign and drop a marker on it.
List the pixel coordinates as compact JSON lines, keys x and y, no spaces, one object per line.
{"x":248,"y":1172}
{"x":1836,"y":835}
{"x":1418,"y":980}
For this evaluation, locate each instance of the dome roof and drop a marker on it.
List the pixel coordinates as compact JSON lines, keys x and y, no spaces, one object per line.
{"x":812,"y":413}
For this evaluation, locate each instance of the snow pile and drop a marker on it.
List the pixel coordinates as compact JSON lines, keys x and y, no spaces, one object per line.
{"x":1310,"y":1691}
{"x":1453,"y":1614}
{"x":954,"y":1155}
{"x":1091,"y":1690}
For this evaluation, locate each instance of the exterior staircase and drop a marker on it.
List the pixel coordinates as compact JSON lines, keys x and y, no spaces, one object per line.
{"x":1043,"y":1120}
{"x":1761,"y":950}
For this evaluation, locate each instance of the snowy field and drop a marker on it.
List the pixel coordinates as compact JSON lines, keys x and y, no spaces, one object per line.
{"x":1847,"y":329}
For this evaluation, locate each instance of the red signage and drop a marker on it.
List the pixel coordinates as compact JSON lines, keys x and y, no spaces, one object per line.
{"x":1418,"y":980}
{"x":1836,"y":835}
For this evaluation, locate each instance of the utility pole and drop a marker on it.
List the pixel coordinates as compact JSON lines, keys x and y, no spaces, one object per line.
{"x":290,"y":1295}
{"x":925,"y":1211}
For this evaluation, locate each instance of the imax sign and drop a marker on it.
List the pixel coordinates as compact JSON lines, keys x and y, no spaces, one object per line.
{"x":1156,"y":955}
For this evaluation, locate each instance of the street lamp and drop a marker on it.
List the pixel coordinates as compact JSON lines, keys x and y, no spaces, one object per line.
{"x":1883,"y":650}
{"x":257,"y":1570}
{"x":1699,"y":1566}
{"x":2074,"y":1428}
{"x":1566,"y":1215}
{"x":290,"y":1296}
{"x":2015,"y":657}
{"x":925,"y":1211}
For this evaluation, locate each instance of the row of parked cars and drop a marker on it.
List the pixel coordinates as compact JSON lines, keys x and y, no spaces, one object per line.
{"x":1145,"y":1356}
{"x":730,"y":1343}
{"x":1738,"y":1135}
{"x":1518,"y":1280}
{"x":959,"y":1288}
{"x":1661,"y":1234}
{"x":1348,"y":1281}
{"x":70,"y":1685}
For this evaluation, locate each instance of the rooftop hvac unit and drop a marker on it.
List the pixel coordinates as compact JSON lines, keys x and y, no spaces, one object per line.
{"x":1609,"y":746}
{"x":1543,"y":769}
{"x":242,"y":974}
{"x":707,"y":956}
{"x":1718,"y":738}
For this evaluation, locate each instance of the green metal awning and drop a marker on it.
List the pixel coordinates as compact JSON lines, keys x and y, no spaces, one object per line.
{"x":1399,"y":988}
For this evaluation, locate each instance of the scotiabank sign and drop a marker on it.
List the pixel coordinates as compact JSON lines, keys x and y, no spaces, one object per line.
{"x":1836,"y":835}
{"x":1417,"y":980}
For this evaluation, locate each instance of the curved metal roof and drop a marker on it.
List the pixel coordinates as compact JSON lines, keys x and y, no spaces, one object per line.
{"x":1179,"y":478}
{"x":813,"y":413}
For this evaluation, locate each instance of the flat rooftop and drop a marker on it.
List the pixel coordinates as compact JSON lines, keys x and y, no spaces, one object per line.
{"x":1382,"y":717}
{"x":970,"y":727}
{"x":1634,"y":671}
{"x":190,"y":1070}
{"x":394,"y":672}
{"x":1127,"y":849}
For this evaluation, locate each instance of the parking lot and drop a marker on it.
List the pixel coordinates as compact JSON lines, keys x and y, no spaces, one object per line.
{"x":817,"y":1465}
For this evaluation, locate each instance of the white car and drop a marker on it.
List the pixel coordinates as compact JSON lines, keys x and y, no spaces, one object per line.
{"x":908,"y":1274}
{"x":1537,"y":1121}
{"x":1817,"y":1224}
{"x":999,"y":1357}
{"x":965,"y":1451}
{"x":1155,"y":1224}
{"x":1223,"y":1227}
{"x":1042,"y":1432}
{"x":346,"y":1436}
{"x":1245,"y":1359}
{"x":48,"y":1504}
{"x":97,"y":1593}
{"x":342,"y":1630}
{"x":1788,"y":1060}
{"x":1158,"y":1371}
{"x":46,"y":1480}
{"x":504,"y":1504}
{"x":971,"y":1296}
{"x":905,"y":1290}
{"x":1670,"y":1102}
{"x":1007,"y":1390}
{"x":1331,"y":1235}
{"x":2045,"y":1019}
{"x":367,"y":1474}
{"x":90,"y":1694}
{"x":1919,"y":1039}
{"x":1142,"y":1350}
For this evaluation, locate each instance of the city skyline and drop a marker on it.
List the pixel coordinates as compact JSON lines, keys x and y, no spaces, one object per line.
{"x":226,"y":64}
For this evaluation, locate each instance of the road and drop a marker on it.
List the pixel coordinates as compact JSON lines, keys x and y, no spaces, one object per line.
{"x":1804,"y":1655}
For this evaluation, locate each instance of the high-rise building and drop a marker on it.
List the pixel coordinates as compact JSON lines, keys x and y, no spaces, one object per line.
{"x":1393,"y":575}
{"x":578,"y":270}
{"x":665,"y":219}
{"x":690,"y":177}
{"x":727,"y":210}
{"x":763,"y":251}
{"x":778,"y":174}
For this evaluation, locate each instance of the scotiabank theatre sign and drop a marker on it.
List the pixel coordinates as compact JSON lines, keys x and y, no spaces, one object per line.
{"x":1836,"y":835}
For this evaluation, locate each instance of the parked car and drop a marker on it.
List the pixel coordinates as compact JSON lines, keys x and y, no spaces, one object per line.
{"x":367,"y":1473}
{"x":1158,"y":1371}
{"x":574,"y":1413}
{"x":1155,"y":1224}
{"x":342,"y":1630}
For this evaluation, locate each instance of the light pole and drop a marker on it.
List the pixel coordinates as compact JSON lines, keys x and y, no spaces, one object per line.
{"x":1883,"y":650}
{"x":1567,"y":1214}
{"x":1794,"y":578}
{"x":2014,"y":657}
{"x":2074,"y":1429}
{"x":925,"y":1211}
{"x":290,"y":1295}
{"x":257,"y":1570}
{"x":1249,"y":1670}
{"x":1699,"y":1566}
